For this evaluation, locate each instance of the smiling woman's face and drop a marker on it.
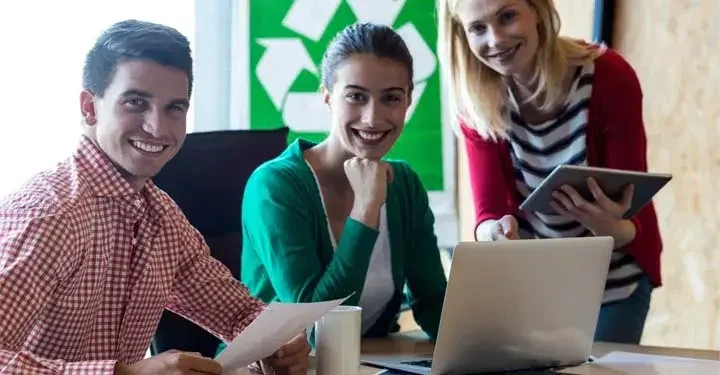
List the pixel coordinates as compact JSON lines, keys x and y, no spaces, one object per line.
{"x":368,"y":101}
{"x":502,"y":34}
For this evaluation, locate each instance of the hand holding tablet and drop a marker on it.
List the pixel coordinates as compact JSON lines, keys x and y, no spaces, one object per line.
{"x":629,"y":191}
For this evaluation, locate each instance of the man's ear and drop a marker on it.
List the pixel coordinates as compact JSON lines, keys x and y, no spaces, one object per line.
{"x":88,"y":107}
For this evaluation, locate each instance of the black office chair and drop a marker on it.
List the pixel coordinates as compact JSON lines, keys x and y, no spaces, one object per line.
{"x":207,"y":180}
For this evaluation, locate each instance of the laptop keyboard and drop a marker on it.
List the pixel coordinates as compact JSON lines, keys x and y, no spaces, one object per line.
{"x":428,"y":364}
{"x":422,"y":363}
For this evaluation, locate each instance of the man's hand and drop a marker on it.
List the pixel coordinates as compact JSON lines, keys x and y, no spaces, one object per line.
{"x":172,"y":363}
{"x":291,"y":359}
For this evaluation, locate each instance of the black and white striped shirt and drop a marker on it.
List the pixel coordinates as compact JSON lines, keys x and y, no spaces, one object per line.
{"x":537,"y":149}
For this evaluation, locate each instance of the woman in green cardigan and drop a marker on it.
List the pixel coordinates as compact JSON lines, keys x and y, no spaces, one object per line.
{"x":325,"y":220}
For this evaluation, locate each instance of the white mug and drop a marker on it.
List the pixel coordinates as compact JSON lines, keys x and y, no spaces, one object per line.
{"x":337,"y":341}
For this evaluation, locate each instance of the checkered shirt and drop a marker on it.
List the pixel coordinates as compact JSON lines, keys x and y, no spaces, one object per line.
{"x":87,"y":265}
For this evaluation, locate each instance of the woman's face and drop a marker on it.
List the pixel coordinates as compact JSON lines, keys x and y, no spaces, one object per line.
{"x":502,"y":34}
{"x":368,"y":102}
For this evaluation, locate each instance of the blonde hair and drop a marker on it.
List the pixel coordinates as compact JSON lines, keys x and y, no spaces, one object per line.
{"x":478,"y":94}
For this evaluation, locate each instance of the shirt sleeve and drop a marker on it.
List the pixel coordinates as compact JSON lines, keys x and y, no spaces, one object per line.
{"x":24,"y":362}
{"x":492,"y":197}
{"x":625,"y":145}
{"x":32,"y":252}
{"x":278,"y":226}
{"x":206,"y":293}
{"x":425,"y":274}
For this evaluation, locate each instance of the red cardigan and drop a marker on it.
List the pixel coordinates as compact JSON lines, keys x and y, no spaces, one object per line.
{"x":615,"y":139}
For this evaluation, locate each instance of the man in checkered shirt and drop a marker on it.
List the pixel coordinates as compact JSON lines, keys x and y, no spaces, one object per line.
{"x":91,"y":251}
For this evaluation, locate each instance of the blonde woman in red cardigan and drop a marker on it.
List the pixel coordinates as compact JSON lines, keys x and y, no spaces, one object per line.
{"x":528,"y":100}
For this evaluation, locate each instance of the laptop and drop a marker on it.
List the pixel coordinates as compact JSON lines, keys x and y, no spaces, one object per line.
{"x":520,"y":305}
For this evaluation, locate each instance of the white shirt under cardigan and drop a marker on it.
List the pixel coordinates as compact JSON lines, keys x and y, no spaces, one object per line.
{"x":379,"y":284}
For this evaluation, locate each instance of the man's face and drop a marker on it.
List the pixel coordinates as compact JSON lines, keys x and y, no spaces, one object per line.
{"x":140,"y":122}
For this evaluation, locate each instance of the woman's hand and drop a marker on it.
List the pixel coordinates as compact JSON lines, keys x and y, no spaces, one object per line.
{"x":369,"y":180}
{"x":603,"y":217}
{"x":505,"y":228}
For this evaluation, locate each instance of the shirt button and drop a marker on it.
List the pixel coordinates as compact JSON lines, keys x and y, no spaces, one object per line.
{"x":134,"y":241}
{"x":138,"y":203}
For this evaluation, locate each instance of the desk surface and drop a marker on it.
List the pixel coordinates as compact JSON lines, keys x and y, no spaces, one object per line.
{"x":417,"y":343}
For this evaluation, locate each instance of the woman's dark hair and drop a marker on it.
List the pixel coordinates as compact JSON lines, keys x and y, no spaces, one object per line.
{"x":380,"y":40}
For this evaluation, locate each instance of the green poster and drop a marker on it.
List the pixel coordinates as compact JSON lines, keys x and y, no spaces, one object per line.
{"x":287,"y":42}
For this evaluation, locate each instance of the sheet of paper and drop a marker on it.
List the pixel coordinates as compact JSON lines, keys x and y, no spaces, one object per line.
{"x":272,"y":329}
{"x":625,"y":363}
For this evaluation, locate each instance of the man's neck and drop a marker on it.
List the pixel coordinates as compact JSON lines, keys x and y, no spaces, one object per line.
{"x":137,"y":183}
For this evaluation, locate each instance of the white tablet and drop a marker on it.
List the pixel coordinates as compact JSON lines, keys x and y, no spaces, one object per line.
{"x":612,"y":181}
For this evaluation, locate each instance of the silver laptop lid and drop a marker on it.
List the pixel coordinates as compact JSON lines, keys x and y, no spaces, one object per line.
{"x":521,"y":304}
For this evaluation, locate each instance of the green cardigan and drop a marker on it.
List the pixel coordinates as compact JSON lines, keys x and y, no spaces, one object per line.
{"x":288,"y":256}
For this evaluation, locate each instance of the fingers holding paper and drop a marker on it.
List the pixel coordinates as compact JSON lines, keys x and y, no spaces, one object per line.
{"x":291,"y":359}
{"x":603,"y":216}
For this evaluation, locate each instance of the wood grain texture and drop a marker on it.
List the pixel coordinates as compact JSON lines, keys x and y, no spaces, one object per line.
{"x":674,"y":46}
{"x":576,"y":17}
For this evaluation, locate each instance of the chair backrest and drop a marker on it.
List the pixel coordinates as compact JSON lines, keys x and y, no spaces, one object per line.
{"x":207,"y":180}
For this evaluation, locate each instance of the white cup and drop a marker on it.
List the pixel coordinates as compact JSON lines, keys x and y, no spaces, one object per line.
{"x":337,"y":341}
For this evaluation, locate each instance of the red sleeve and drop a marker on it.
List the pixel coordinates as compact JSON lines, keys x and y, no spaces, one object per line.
{"x":625,"y":147}
{"x":492,"y":197}
{"x":32,"y":255}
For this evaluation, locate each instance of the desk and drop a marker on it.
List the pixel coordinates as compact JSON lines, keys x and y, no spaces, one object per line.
{"x":416,"y":343}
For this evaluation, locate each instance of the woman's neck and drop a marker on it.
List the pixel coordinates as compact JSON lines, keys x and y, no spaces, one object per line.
{"x":523,"y":87}
{"x":328,"y":162}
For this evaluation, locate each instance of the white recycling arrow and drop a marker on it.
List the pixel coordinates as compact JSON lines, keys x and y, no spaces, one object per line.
{"x":311,"y":17}
{"x":281,"y":63}
{"x":416,"y":96}
{"x":383,"y":12}
{"x":306,"y":112}
{"x":424,"y":63}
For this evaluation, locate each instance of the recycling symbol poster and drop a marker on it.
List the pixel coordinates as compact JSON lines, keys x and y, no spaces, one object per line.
{"x":287,"y":39}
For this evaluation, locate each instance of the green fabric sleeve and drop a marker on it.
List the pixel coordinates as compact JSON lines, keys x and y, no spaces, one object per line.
{"x":426,"y":279}
{"x":278,"y":223}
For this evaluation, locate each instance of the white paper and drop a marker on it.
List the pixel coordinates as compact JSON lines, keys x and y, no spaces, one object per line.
{"x":272,"y":329}
{"x":622,"y":363}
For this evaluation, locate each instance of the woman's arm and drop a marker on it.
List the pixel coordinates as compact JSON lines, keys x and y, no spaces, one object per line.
{"x":491,"y":195}
{"x":625,"y":142}
{"x":424,"y":272}
{"x":277,"y":224}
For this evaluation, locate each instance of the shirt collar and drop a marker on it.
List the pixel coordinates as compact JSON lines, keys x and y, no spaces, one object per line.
{"x":102,"y":176}
{"x":104,"y":180}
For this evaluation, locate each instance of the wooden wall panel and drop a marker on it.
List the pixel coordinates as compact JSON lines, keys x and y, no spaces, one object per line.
{"x":576,"y":17}
{"x":675,"y":47}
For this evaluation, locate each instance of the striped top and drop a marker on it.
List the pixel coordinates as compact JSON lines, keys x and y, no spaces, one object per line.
{"x":537,"y":149}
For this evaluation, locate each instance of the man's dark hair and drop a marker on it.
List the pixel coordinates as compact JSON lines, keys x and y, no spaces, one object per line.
{"x":379,"y":40}
{"x":135,"y":40}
